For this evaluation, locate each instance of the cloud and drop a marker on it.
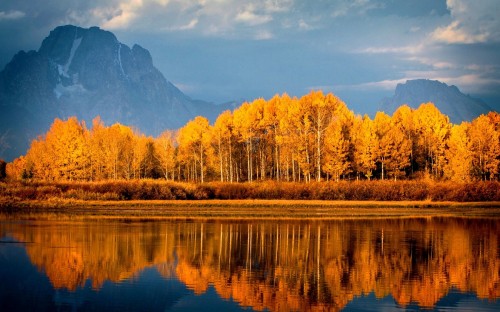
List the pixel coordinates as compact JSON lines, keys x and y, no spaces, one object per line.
{"x":191,"y":25}
{"x":472,"y":22}
{"x":455,"y":33}
{"x":128,"y":12}
{"x":304,"y":26}
{"x":252,"y":19}
{"x":11,"y":15}
{"x":409,"y":49}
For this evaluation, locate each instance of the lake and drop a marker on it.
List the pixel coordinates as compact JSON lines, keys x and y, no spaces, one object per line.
{"x":395,"y":264}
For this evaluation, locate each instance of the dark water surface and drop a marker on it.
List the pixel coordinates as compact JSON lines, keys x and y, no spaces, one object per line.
{"x":444,"y":264}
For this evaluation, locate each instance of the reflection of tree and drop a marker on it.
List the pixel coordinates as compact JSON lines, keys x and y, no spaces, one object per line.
{"x":288,"y":266}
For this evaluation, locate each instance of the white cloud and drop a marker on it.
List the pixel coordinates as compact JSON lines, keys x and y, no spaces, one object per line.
{"x":472,"y":22}
{"x":303,"y":25}
{"x":127,"y":13}
{"x":471,"y":82}
{"x":409,"y":49}
{"x":434,"y":63}
{"x":191,"y":25}
{"x":250,"y":18}
{"x":11,"y":15}
{"x":455,"y":33}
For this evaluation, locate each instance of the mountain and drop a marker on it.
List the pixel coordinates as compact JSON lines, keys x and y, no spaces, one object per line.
{"x":448,"y":99}
{"x":84,"y":73}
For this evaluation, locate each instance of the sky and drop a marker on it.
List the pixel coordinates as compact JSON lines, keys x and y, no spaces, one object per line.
{"x":224,"y":50}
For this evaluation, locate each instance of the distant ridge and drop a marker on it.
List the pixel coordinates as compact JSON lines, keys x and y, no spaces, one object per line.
{"x":448,"y":99}
{"x":88,"y":72}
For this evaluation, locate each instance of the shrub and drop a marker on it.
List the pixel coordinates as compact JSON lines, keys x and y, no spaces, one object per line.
{"x":167,"y":190}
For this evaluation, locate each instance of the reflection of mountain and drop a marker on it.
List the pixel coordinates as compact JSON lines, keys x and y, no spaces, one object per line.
{"x":297,"y":266}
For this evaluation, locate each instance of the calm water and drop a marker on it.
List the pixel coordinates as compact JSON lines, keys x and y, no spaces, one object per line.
{"x":445,"y":264}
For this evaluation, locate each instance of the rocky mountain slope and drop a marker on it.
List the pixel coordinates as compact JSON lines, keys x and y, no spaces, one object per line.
{"x":84,"y":73}
{"x":448,"y":99}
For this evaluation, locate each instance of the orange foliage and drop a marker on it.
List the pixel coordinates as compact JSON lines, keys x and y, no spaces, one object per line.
{"x":315,"y":137}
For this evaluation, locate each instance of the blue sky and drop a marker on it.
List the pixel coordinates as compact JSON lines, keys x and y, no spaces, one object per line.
{"x":222,"y":50}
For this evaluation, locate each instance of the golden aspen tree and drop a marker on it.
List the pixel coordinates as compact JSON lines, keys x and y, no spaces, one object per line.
{"x":458,"y":155}
{"x":302,"y":136}
{"x":140,"y":152}
{"x":246,"y":119}
{"x":485,"y":147}
{"x":150,"y":162}
{"x":39,"y":162}
{"x":165,"y":153}
{"x":432,"y":130}
{"x":320,"y":113}
{"x":222,"y":142}
{"x":365,"y":145}
{"x":97,"y":142}
{"x":126,"y":142}
{"x":118,"y":155}
{"x":288,"y":138}
{"x":270,"y":122}
{"x":336,"y":150}
{"x":67,"y":148}
{"x":16,"y":170}
{"x":400,"y":152}
{"x":495,"y":121}
{"x":258,"y":140}
{"x":393,"y":147}
{"x":194,"y":140}
{"x":384,"y":145}
{"x":403,"y":120}
{"x":286,"y":159}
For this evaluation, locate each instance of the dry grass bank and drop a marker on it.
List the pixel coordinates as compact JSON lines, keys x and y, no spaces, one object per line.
{"x":165,"y":190}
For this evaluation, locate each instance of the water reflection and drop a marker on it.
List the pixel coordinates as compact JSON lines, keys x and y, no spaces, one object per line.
{"x":268,"y":265}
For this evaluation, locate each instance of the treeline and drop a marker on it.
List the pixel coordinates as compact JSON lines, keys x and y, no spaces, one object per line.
{"x":312,"y":138}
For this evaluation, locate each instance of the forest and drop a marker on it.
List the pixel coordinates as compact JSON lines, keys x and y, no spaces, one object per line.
{"x":283,"y":139}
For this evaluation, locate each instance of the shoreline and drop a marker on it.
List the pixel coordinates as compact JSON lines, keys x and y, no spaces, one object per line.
{"x":142,"y":210}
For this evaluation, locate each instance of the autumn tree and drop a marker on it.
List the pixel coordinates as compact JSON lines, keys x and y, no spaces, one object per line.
{"x":393,"y":147}
{"x":432,"y":129}
{"x":365,"y":146}
{"x":194,"y":140}
{"x":15,"y":169}
{"x":283,"y":139}
{"x":302,"y":136}
{"x":62,"y":153}
{"x":485,"y":147}
{"x":458,"y":155}
{"x":336,"y":150}
{"x":403,"y":119}
{"x":222,"y":140}
{"x":165,"y":153}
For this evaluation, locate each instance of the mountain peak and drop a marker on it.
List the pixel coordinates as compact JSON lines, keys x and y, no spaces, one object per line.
{"x":448,"y":99}
{"x":86,"y":72}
